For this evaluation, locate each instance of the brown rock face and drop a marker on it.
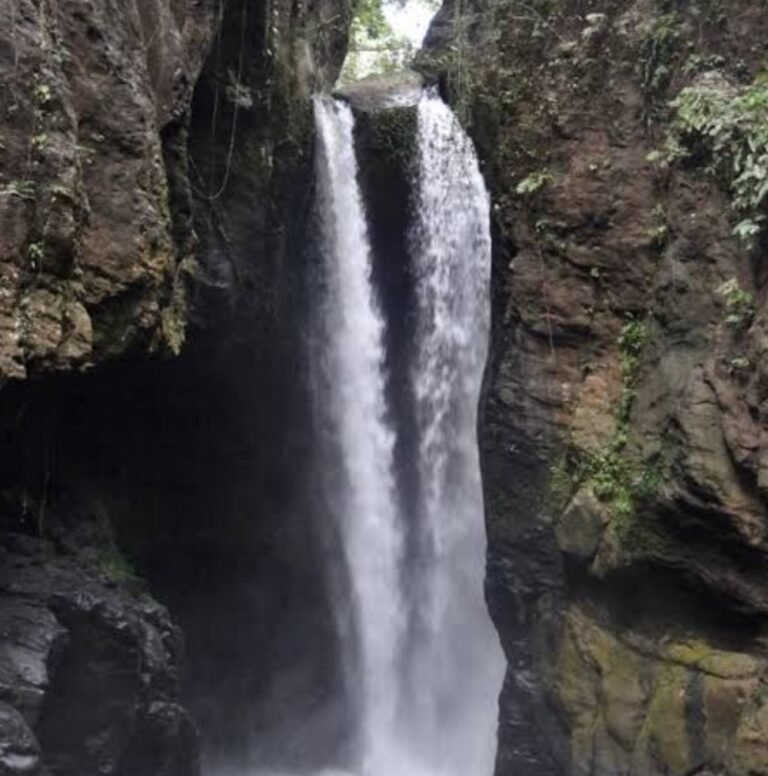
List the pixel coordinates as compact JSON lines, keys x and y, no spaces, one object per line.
{"x":88,"y":260}
{"x":622,"y":428}
{"x":97,"y":241}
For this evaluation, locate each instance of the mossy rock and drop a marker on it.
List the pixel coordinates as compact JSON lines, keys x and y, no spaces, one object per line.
{"x":636,"y":706}
{"x":664,"y":737}
{"x":390,"y":137}
{"x":699,"y":655}
{"x":750,"y":747}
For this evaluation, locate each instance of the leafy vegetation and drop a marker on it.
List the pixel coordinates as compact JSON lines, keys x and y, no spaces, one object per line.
{"x":533,"y":183}
{"x":615,"y":477}
{"x":375,"y":48}
{"x":112,"y":563}
{"x":36,"y":255}
{"x":369,"y":19}
{"x":611,"y":477}
{"x":739,"y":364}
{"x":739,"y":304}
{"x":631,"y":342}
{"x":659,"y":44}
{"x":42,"y":93}
{"x":729,"y":127}
{"x":22,"y":189}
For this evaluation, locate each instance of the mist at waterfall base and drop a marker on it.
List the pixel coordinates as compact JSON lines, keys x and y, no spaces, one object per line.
{"x":397,"y":464}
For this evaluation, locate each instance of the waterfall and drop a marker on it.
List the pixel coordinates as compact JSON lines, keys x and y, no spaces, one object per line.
{"x":456,"y":661}
{"x":426,"y":664}
{"x":366,"y":501}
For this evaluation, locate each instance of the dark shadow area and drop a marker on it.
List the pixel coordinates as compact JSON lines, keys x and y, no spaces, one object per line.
{"x":199,"y":464}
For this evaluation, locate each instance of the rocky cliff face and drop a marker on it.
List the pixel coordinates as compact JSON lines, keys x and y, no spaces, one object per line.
{"x":153,"y":161}
{"x":623,"y":424}
{"x":97,"y":185}
{"x":153,"y":183}
{"x":90,"y":267}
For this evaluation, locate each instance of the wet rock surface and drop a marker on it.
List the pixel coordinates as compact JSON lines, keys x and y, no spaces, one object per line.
{"x":19,"y":750}
{"x":377,"y":93}
{"x":86,"y":660}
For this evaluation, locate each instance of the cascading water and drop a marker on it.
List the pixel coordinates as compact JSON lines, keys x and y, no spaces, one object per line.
{"x":427,"y":662}
{"x":366,"y":501}
{"x":456,"y":664}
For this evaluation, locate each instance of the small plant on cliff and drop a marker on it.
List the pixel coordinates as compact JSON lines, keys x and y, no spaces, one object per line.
{"x":36,"y":254}
{"x":42,"y":93}
{"x":114,"y":564}
{"x":659,"y":234}
{"x":748,"y":229}
{"x":632,"y":339}
{"x":532,"y":183}
{"x":739,"y":304}
{"x":610,"y":475}
{"x":614,"y":477}
{"x":738,"y":364}
{"x":21,"y":189}
{"x":40,"y":141}
{"x":238,"y":93}
{"x":658,"y":48}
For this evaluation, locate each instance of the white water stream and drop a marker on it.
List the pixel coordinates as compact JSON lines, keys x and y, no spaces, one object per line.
{"x":456,"y":662}
{"x":427,"y":659}
{"x":366,"y":501}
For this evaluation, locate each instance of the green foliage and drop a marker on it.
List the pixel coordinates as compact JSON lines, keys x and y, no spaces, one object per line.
{"x":632,"y":340}
{"x":613,"y":476}
{"x":533,"y":183}
{"x":701,"y":63}
{"x":22,"y":189}
{"x":479,"y":79}
{"x":40,"y":141}
{"x":739,"y":309}
{"x":370,"y":20}
{"x":42,"y":93}
{"x":748,"y":229}
{"x":610,"y":475}
{"x":36,"y":254}
{"x":658,"y":47}
{"x":739,"y":364}
{"x":669,"y":153}
{"x":648,"y":480}
{"x":619,"y":481}
{"x":374,"y":48}
{"x":660,"y":232}
{"x":114,"y":565}
{"x":731,"y":127}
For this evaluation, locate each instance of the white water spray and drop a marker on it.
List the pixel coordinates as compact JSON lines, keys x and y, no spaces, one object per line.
{"x":456,"y":662}
{"x":366,"y":503}
{"x":429,"y":662}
